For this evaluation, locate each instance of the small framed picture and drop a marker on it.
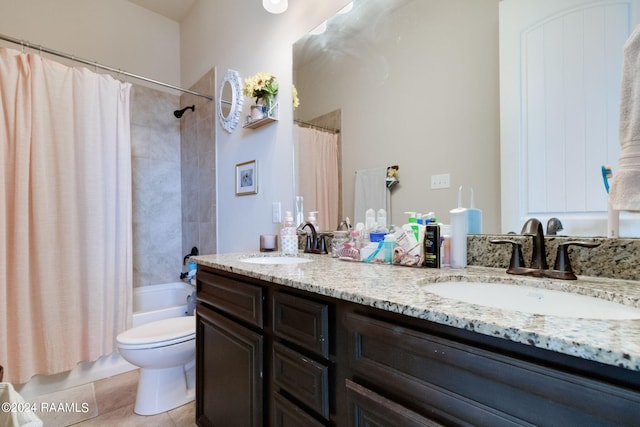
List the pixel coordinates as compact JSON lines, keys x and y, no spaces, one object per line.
{"x":247,"y":178}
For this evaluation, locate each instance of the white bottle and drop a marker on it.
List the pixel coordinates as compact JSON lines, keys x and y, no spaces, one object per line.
{"x":459,"y":234}
{"x":288,"y":236}
{"x":313,"y":220}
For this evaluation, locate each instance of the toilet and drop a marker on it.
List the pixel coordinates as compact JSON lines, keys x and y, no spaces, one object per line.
{"x":165,"y":352}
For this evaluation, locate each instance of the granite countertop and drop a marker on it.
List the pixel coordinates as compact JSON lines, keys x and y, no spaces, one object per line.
{"x":404,"y":290}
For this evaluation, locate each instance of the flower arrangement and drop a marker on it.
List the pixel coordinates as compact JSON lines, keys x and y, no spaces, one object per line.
{"x":261,"y":86}
{"x":294,"y":97}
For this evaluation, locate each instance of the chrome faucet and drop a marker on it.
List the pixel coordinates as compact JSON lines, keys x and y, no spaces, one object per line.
{"x":533,"y":227}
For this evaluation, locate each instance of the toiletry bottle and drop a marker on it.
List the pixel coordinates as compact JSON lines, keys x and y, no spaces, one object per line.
{"x":431,"y":245}
{"x":412,"y":224}
{"x":381,"y":219}
{"x":299,"y":210}
{"x":474,"y":217}
{"x":313,"y":220}
{"x":459,"y":234}
{"x":445,"y":248}
{"x":288,"y":236}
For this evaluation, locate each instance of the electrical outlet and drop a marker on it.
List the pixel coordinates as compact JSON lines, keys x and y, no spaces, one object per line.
{"x":276,"y":213}
{"x":442,"y":180}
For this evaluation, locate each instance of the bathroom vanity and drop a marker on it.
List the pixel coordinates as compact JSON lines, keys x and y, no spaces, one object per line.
{"x":331,"y":342}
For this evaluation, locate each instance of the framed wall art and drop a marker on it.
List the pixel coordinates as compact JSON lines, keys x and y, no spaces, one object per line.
{"x":247,"y":178}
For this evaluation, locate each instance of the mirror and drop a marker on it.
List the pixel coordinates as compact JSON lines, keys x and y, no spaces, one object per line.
{"x":417,"y":84}
{"x":406,"y":98}
{"x":230,"y":101}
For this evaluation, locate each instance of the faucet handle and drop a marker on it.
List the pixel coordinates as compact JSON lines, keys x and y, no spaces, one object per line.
{"x":517,"y":260}
{"x":321,"y":244}
{"x":563,"y":263}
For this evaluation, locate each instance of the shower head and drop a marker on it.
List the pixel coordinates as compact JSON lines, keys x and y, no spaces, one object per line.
{"x":179,"y":113}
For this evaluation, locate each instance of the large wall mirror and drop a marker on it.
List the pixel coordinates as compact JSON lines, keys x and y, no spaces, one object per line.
{"x":417,"y":83}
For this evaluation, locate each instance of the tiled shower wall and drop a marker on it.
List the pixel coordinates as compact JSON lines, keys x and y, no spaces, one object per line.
{"x":157,"y":212}
{"x":198,"y":168}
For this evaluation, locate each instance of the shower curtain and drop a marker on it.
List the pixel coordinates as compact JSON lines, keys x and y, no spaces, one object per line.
{"x":317,"y":172}
{"x":65,"y":215}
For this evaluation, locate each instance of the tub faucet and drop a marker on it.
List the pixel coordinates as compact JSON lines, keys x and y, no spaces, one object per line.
{"x":533,"y":228}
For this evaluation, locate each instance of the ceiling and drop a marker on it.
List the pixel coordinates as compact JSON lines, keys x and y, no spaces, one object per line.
{"x":172,"y":9}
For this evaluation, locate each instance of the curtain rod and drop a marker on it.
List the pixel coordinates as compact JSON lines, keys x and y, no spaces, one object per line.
{"x":97,"y":65}
{"x":311,"y":125}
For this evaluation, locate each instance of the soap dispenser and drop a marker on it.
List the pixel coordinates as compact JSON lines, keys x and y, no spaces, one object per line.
{"x":288,"y":236}
{"x":313,"y":220}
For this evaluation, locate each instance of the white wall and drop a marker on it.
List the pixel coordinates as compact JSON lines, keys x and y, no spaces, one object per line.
{"x":242,"y":36}
{"x":116,"y":33}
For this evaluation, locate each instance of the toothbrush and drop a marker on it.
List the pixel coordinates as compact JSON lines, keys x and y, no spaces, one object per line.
{"x":606,"y":176}
{"x":374,"y":253}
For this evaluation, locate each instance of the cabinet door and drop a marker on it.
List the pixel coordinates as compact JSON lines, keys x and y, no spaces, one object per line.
{"x":367,"y":408}
{"x":229,"y":370}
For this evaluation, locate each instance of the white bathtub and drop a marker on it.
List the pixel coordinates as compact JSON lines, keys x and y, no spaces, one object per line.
{"x":153,"y":302}
{"x":157,"y":302}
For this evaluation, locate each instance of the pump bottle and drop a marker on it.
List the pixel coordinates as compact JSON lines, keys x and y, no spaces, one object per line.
{"x":288,"y":236}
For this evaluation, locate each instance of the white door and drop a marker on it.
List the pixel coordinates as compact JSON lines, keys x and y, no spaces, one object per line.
{"x":560,"y":74}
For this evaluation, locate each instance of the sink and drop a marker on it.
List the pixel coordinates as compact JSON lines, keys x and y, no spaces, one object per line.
{"x":528,"y":299}
{"x":273,"y":260}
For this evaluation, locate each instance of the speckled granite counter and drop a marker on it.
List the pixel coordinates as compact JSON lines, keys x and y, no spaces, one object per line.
{"x":404,"y":290}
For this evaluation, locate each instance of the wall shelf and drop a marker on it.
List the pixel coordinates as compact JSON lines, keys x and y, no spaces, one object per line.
{"x":254,"y":124}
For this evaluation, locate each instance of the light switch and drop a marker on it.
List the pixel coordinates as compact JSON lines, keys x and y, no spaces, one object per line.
{"x":440,"y":181}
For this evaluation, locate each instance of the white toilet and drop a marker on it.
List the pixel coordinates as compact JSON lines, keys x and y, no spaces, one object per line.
{"x":165,"y":351}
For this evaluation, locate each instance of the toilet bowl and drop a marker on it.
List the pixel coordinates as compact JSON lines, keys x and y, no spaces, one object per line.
{"x":165,"y":351}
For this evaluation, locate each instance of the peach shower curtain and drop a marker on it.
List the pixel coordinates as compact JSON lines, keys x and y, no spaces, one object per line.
{"x":317,"y":172}
{"x":65,"y":215}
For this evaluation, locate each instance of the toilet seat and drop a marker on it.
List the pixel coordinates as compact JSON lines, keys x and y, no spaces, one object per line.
{"x":160,"y":333}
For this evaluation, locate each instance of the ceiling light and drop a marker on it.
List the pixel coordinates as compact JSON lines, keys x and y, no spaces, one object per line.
{"x":275,"y":6}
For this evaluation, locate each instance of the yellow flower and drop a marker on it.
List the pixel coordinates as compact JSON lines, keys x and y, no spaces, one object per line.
{"x":294,"y":96}
{"x":261,"y":86}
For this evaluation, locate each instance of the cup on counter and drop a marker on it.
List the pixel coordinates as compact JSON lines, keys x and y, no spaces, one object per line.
{"x":268,"y":243}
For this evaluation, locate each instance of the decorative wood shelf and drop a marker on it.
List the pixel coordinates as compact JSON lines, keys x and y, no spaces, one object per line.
{"x":254,"y":124}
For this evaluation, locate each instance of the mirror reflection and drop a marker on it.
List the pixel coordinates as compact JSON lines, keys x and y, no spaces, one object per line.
{"x":417,"y":83}
{"x":226,"y":98}
{"x":412,"y":83}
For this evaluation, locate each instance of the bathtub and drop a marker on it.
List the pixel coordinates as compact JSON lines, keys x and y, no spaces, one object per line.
{"x":150,"y":303}
{"x":155,"y":302}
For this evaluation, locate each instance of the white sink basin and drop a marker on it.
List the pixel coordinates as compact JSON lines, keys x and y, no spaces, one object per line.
{"x":528,"y":299}
{"x":273,"y":260}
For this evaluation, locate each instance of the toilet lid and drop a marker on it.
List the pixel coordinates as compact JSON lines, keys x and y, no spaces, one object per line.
{"x":161,"y":331}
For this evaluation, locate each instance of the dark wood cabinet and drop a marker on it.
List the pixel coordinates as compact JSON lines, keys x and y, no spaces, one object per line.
{"x":369,"y":409}
{"x":271,"y":355}
{"x":229,"y":355}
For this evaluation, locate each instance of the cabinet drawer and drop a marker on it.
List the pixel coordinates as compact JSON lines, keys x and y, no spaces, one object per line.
{"x":302,"y":322}
{"x":286,"y":414}
{"x":368,"y":409}
{"x":302,"y":378}
{"x":238,"y":299}
{"x":464,"y":384}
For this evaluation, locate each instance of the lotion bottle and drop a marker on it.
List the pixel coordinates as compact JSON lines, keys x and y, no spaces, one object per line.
{"x":288,"y":236}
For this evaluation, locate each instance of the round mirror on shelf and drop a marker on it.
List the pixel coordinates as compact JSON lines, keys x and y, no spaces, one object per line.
{"x":230,"y":101}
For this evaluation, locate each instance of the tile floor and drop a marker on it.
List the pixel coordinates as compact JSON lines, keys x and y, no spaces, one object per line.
{"x":115,"y":398}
